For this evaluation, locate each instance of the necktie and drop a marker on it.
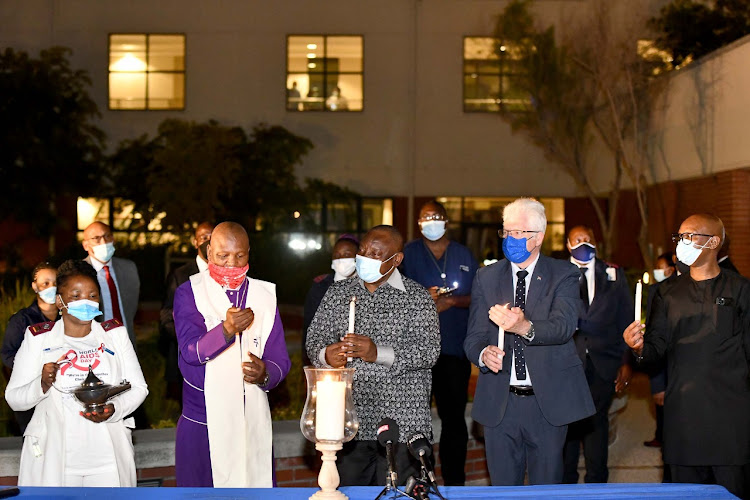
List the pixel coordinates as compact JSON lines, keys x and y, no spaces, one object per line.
{"x":113,"y":295}
{"x":520,"y":361}
{"x":584,"y":284}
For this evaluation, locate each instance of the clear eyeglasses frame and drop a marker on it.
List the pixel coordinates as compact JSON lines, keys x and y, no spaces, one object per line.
{"x":515,"y":233}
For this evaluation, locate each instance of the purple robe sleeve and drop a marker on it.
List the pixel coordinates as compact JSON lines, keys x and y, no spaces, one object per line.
{"x":275,"y":355}
{"x":196,"y":345}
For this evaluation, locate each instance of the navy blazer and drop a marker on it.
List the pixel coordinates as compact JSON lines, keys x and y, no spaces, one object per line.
{"x":129,"y":286}
{"x":600,"y":327}
{"x":553,"y":303}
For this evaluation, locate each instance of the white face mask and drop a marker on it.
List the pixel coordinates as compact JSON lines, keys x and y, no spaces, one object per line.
{"x":689,"y":253}
{"x":433,"y":230}
{"x":369,"y":269}
{"x":48,"y":295}
{"x":104,"y":252}
{"x":659,"y":275}
{"x":343,"y":268}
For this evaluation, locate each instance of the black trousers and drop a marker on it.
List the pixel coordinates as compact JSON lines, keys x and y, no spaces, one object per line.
{"x":593,"y":432}
{"x":734,"y":478}
{"x":450,"y":385}
{"x":363,"y":463}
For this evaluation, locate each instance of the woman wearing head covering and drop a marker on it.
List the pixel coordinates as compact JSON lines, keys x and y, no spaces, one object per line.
{"x":64,"y":444}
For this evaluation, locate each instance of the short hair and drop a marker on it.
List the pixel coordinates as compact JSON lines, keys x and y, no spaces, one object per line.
{"x":529,"y":207}
{"x":667,"y":256}
{"x":440,"y":207}
{"x":395,"y":234}
{"x":348,"y":237}
{"x":39,"y":267}
{"x":72,"y":268}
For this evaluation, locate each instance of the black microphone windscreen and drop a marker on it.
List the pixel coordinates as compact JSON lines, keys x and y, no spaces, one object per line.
{"x":419,"y":445}
{"x":387,"y":431}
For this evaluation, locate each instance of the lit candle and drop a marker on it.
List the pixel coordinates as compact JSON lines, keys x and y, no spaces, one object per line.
{"x":351,"y":315}
{"x":329,"y":410}
{"x":638,"y":299}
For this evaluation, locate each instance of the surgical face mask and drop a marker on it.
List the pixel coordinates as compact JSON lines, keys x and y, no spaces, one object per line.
{"x":433,"y":230}
{"x":343,"y":268}
{"x":369,"y":269}
{"x":515,"y":249}
{"x":659,"y":275}
{"x":583,"y":252}
{"x":104,"y":252}
{"x":48,"y":294}
{"x":83,"y":309}
{"x":688,"y":254}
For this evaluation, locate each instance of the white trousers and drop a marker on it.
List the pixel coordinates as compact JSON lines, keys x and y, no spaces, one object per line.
{"x":105,"y":479}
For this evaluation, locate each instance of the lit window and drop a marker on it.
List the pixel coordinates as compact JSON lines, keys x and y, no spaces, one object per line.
{"x":146,"y":71}
{"x":491,"y":76}
{"x":324,"y":73}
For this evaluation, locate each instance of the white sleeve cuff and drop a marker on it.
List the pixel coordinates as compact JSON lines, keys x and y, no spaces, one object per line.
{"x":480,"y":364}
{"x":322,"y":358}
{"x":386,"y":355}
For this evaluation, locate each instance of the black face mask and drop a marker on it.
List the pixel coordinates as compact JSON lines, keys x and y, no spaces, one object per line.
{"x":203,"y":250}
{"x":682,"y":267}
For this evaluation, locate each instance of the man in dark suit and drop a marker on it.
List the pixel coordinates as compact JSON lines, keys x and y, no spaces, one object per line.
{"x":118,"y":278}
{"x":526,"y":400}
{"x":607,"y":311}
{"x":167,"y":335}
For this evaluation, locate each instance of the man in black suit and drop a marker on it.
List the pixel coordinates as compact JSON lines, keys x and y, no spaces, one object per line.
{"x":701,"y":321}
{"x":526,"y":400}
{"x":724,"y":261}
{"x":118,"y":278}
{"x":607,"y":311}
{"x":167,"y":336}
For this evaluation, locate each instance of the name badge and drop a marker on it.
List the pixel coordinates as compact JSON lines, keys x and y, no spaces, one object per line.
{"x":611,"y":274}
{"x":464,"y":268}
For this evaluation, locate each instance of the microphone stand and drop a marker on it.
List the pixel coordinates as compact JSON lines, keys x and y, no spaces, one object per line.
{"x":389,"y":486}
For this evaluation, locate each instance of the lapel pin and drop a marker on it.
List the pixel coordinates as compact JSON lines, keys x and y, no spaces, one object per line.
{"x":539,"y":278}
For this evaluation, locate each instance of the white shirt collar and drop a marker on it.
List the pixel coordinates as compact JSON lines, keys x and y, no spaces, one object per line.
{"x":529,"y":268}
{"x":202,"y":264}
{"x":98,"y":265}
{"x":395,"y":280}
{"x":589,"y":265}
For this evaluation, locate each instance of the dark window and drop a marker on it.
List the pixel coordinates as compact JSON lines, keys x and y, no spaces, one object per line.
{"x":491,"y":76}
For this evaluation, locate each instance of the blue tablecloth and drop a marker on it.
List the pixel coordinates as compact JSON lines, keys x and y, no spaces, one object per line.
{"x":571,"y":492}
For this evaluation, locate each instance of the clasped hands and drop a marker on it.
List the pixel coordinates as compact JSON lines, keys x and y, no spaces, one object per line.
{"x":239,"y":320}
{"x":49,"y":375}
{"x":510,"y":319}
{"x":351,"y":346}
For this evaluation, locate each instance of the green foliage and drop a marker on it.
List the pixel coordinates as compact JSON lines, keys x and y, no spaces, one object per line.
{"x":690,"y":29}
{"x":50,"y":144}
{"x":10,"y":303}
{"x":288,"y":399}
{"x":160,"y":411}
{"x":206,"y":171}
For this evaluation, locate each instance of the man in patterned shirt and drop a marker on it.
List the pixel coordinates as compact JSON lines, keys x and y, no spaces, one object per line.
{"x":397,"y":341}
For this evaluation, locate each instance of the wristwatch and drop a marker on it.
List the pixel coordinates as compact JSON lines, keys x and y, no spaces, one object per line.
{"x":263,"y":382}
{"x":530,"y":334}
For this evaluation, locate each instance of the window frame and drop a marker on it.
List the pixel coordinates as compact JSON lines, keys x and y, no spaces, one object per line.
{"x":325,"y":37}
{"x":147,"y":72}
{"x":500,"y":75}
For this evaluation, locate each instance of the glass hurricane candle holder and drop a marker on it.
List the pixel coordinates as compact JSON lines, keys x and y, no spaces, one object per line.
{"x":329,"y":419}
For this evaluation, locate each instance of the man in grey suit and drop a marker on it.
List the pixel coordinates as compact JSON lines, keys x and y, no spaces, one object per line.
{"x":526,"y":401}
{"x":118,"y":278}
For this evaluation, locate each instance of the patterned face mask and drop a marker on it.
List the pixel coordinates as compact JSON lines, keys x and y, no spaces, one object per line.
{"x":230,"y":277}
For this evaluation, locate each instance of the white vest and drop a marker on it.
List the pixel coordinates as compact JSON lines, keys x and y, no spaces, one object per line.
{"x":237,"y":413}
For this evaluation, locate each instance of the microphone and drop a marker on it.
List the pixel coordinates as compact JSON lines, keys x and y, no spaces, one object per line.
{"x":387,"y":435}
{"x":419,"y":446}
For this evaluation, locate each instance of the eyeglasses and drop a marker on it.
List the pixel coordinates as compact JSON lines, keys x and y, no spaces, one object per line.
{"x":687,"y":238}
{"x":432,"y":217}
{"x":106,"y":238}
{"x":515,"y":233}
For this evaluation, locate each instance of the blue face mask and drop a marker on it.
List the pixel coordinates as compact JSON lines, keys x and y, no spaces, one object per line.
{"x":433,"y":230}
{"x":583,"y":252}
{"x":369,"y":269}
{"x":84,"y":309}
{"x":48,"y":294}
{"x":515,"y":249}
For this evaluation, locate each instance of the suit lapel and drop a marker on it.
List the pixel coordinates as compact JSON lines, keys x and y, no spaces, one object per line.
{"x":536,"y":285}
{"x":503,"y":291}
{"x":600,"y":281}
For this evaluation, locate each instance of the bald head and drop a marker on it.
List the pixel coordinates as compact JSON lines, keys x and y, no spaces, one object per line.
{"x":705,"y":224}
{"x":229,"y":246}
{"x":97,"y":233}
